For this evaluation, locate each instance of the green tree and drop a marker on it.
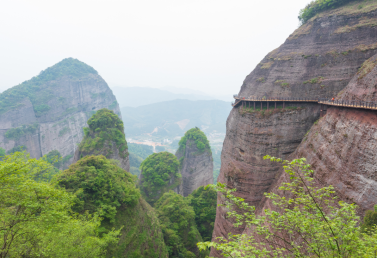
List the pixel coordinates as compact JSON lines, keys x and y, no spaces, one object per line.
{"x":105,"y":128}
{"x":100,"y":185}
{"x":36,"y":218}
{"x":317,"y":6}
{"x":159,"y":174}
{"x":204,"y":202}
{"x":197,"y":136}
{"x":2,"y":153}
{"x":307,"y":223}
{"x":177,"y":220}
{"x":370,"y":220}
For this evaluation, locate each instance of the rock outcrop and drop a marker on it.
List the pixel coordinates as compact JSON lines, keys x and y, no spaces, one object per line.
{"x":58,"y":102}
{"x":196,"y":163}
{"x":105,"y":136}
{"x":318,"y":60}
{"x":159,"y":174}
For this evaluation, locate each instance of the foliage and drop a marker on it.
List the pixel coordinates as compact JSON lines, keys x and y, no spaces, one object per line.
{"x":157,"y":171}
{"x":101,"y":186}
{"x":140,"y":150}
{"x":39,"y":89}
{"x":204,"y":202}
{"x":307,"y":223}
{"x":370,"y":220}
{"x":216,"y":174}
{"x":318,"y":6}
{"x":177,"y":220}
{"x":35,"y":217}
{"x":2,"y":153}
{"x":196,"y":135}
{"x":105,"y":128}
{"x":135,"y":162}
{"x":141,"y":234}
{"x":18,"y":148}
{"x":18,"y":132}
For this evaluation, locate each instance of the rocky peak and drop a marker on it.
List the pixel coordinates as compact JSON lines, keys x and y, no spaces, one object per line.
{"x":318,"y":60}
{"x":105,"y":136}
{"x":195,"y":157}
{"x":59,"y":101}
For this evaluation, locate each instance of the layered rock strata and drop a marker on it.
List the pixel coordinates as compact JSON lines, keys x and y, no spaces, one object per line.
{"x":318,"y":60}
{"x":60,"y":100}
{"x":196,"y":161}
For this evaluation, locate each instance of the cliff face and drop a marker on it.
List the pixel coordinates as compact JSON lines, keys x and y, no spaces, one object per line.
{"x":58,"y":102}
{"x":105,"y":136}
{"x":318,"y":60}
{"x":196,"y":166}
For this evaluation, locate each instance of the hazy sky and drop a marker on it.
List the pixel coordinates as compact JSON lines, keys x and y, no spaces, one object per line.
{"x":206,"y":45}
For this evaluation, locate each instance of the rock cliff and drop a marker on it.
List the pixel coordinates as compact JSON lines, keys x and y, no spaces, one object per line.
{"x":318,"y":60}
{"x":196,"y":163}
{"x":105,"y":136}
{"x":50,"y":111}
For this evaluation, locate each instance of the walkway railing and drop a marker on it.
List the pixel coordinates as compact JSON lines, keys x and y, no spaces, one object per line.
{"x":324,"y":101}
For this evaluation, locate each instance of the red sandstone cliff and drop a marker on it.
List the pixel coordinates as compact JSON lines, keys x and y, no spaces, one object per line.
{"x":318,"y":60}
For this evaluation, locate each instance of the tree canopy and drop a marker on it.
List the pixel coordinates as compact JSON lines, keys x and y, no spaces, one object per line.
{"x":105,"y":128}
{"x":177,"y":220}
{"x":307,"y":221}
{"x":318,"y":6}
{"x":100,"y":185}
{"x":36,"y":217}
{"x":160,"y":173}
{"x":196,"y":135}
{"x":204,"y":202}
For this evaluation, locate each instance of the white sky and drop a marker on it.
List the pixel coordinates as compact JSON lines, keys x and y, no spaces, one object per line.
{"x":206,"y":45}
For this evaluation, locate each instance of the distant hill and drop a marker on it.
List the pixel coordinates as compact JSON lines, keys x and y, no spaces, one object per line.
{"x":173,"y":118}
{"x":139,"y":96}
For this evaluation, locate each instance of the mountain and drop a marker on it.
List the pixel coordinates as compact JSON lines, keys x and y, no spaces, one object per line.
{"x":173,"y":118}
{"x":139,"y":96}
{"x":49,"y":111}
{"x":105,"y":136}
{"x":318,"y":60}
{"x":195,"y":159}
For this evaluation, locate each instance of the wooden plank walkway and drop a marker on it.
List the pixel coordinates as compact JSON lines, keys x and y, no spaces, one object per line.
{"x":338,"y":103}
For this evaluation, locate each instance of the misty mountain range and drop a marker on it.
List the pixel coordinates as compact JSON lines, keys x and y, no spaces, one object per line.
{"x":139,"y":96}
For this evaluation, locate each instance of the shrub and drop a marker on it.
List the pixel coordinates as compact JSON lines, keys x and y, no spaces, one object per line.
{"x":100,"y":185}
{"x":160,"y":173}
{"x":318,"y":6}
{"x":196,"y":135}
{"x":44,"y":224}
{"x":105,"y":128}
{"x":177,"y":220}
{"x":204,"y":202}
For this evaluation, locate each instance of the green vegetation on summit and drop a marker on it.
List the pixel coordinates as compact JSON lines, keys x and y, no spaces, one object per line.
{"x":197,"y":136}
{"x":318,"y":6}
{"x":204,"y":202}
{"x":157,"y":172}
{"x":105,"y":128}
{"x":177,"y":220}
{"x":40,"y":88}
{"x":100,"y":185}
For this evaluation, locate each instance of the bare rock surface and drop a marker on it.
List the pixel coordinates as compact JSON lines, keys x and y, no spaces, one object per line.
{"x":196,"y":167}
{"x":69,"y":101}
{"x":318,"y":60}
